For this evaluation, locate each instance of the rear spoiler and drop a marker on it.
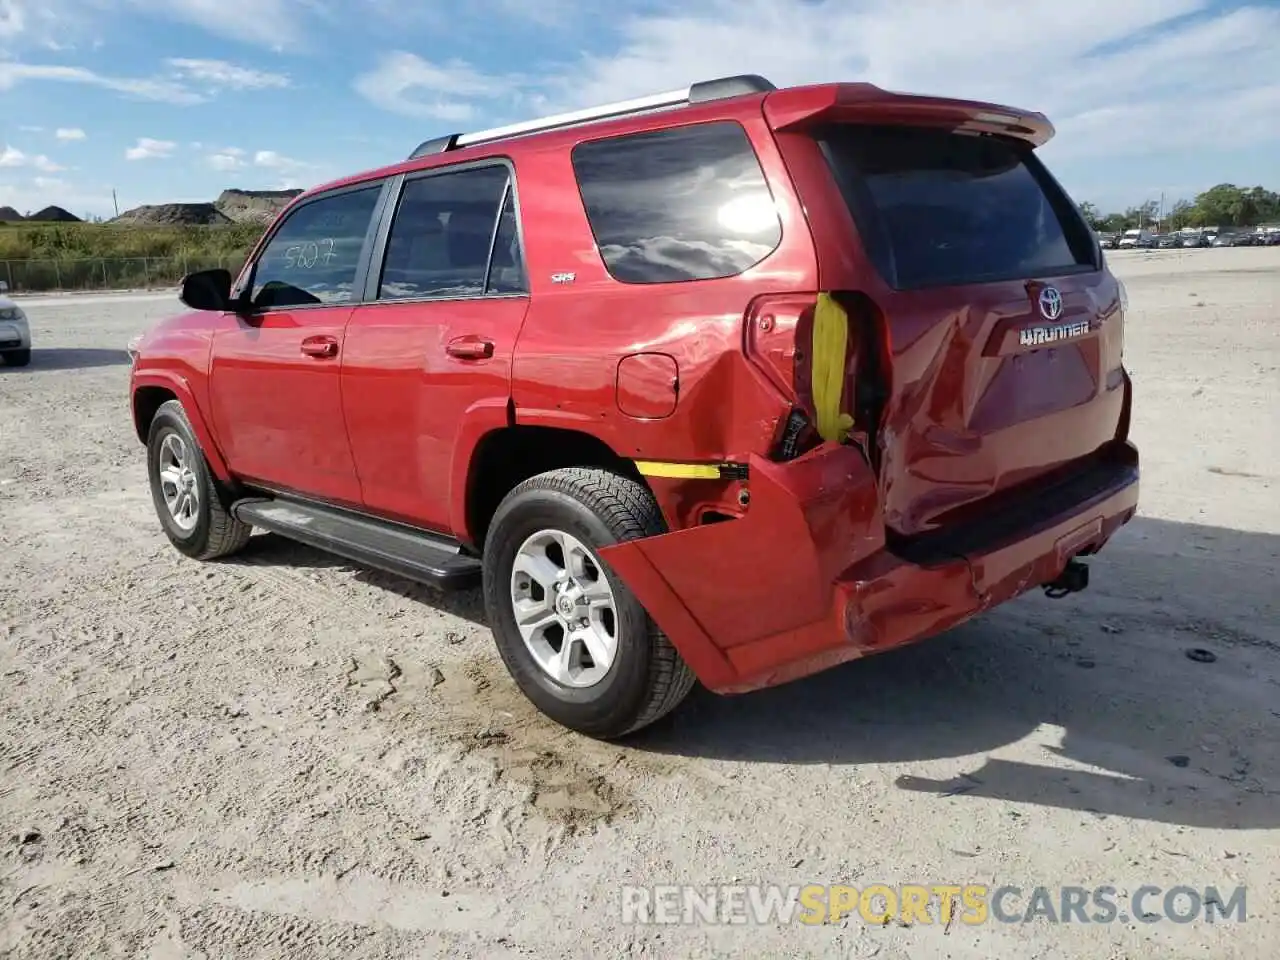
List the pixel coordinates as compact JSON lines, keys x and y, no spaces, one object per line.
{"x":798,"y":107}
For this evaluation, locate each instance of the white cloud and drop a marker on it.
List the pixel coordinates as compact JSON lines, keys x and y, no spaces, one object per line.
{"x":1132,"y":77}
{"x":188,"y":81}
{"x":571,"y":21}
{"x":405,"y":83}
{"x":274,"y":24}
{"x":219,"y":74}
{"x":225,"y":161}
{"x":12,"y":157}
{"x":277,"y":161}
{"x":149,"y":149}
{"x":66,"y":24}
{"x":13,"y":73}
{"x":12,"y":18}
{"x":70,"y":133}
{"x":918,"y":47}
{"x":1117,"y":77}
{"x":288,"y":171}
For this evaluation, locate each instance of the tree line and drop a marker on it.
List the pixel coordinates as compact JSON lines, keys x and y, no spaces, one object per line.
{"x":1225,"y":205}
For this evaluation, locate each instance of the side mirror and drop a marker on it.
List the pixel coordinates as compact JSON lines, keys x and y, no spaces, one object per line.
{"x":207,"y":290}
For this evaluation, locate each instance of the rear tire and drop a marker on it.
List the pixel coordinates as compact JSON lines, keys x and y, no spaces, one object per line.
{"x":17,"y":358}
{"x":638,"y":676}
{"x":184,"y":492}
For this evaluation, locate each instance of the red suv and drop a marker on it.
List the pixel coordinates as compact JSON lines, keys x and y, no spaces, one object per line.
{"x":734,"y":383}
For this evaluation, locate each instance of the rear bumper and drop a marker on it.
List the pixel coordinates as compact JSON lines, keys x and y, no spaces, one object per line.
{"x":805,"y":580}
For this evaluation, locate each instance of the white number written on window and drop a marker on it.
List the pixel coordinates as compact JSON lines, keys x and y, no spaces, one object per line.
{"x":306,"y":255}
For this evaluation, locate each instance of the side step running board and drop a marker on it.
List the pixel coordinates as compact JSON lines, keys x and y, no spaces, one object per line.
{"x":405,"y":552}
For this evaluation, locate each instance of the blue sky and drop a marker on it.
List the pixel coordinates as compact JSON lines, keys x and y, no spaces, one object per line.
{"x":175,"y":100}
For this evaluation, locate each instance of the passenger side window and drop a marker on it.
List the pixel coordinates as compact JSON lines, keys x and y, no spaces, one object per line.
{"x":506,"y":271}
{"x":313,"y":256}
{"x":443,"y":235}
{"x":688,"y":203}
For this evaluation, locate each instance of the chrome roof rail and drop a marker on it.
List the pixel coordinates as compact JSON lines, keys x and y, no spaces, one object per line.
{"x":701,"y":92}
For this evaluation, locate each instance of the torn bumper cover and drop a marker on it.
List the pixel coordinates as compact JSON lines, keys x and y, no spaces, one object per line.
{"x":805,"y":581}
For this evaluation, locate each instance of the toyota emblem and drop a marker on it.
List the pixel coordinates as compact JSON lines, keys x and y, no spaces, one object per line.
{"x":1051,"y":303}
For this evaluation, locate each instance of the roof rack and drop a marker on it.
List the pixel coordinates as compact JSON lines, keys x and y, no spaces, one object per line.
{"x":702,"y":92}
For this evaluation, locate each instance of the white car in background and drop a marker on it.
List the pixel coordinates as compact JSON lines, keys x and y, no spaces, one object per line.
{"x":15,"y":331}
{"x":1137,"y":239}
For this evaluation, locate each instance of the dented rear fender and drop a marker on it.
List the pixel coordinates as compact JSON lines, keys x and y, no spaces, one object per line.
{"x":720,"y":585}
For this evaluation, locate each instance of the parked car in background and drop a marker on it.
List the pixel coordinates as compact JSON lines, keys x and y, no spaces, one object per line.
{"x":1136,"y":238}
{"x":15,"y":331}
{"x":1168,"y":241}
{"x":1108,"y":241}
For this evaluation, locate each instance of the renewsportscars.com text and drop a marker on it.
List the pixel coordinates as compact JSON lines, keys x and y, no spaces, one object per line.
{"x":946,"y":904}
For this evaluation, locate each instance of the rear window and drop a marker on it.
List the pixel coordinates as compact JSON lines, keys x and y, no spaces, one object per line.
{"x":686,"y":203}
{"x":937,"y":208}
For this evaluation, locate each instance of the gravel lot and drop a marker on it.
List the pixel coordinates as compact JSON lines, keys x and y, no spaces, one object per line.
{"x":282,"y":756}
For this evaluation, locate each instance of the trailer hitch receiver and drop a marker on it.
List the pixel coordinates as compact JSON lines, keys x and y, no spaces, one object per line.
{"x":1073,"y":579}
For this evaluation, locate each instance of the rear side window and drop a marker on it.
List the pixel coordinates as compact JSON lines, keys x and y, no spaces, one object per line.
{"x":443,"y":235}
{"x":937,"y":208}
{"x":313,"y":256}
{"x":689,"y":203}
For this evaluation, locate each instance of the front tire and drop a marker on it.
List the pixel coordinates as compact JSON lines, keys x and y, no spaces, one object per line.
{"x":184,"y":492}
{"x":17,"y":358}
{"x":572,"y":636}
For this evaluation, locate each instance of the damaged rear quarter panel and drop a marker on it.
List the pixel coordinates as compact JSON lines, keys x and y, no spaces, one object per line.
{"x":721,"y":585}
{"x":566,"y":368}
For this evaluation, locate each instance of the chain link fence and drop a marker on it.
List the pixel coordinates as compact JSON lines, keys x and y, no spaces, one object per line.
{"x":107,"y":273}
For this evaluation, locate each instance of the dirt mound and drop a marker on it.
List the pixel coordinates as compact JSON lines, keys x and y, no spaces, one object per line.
{"x":253,"y":206}
{"x":194,"y":214}
{"x":54,"y":215}
{"x":10,"y":215}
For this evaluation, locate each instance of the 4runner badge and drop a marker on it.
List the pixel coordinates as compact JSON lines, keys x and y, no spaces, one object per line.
{"x":1035,"y":336}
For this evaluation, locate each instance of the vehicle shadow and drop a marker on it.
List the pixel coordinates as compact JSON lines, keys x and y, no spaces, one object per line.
{"x":1102,"y":679}
{"x":270,"y":550}
{"x":1099,"y":680}
{"x":71,"y":358}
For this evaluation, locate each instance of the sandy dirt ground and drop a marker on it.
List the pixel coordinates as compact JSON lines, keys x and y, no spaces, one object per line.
{"x":281,"y":756}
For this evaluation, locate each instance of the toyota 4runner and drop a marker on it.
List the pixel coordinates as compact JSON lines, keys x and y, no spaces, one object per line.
{"x":731,"y":383}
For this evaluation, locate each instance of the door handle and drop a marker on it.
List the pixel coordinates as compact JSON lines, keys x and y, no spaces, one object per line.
{"x":470,"y":348}
{"x":320,"y":346}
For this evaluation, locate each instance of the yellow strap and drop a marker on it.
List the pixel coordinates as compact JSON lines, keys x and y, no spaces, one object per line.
{"x":830,"y":339}
{"x":678,"y":471}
